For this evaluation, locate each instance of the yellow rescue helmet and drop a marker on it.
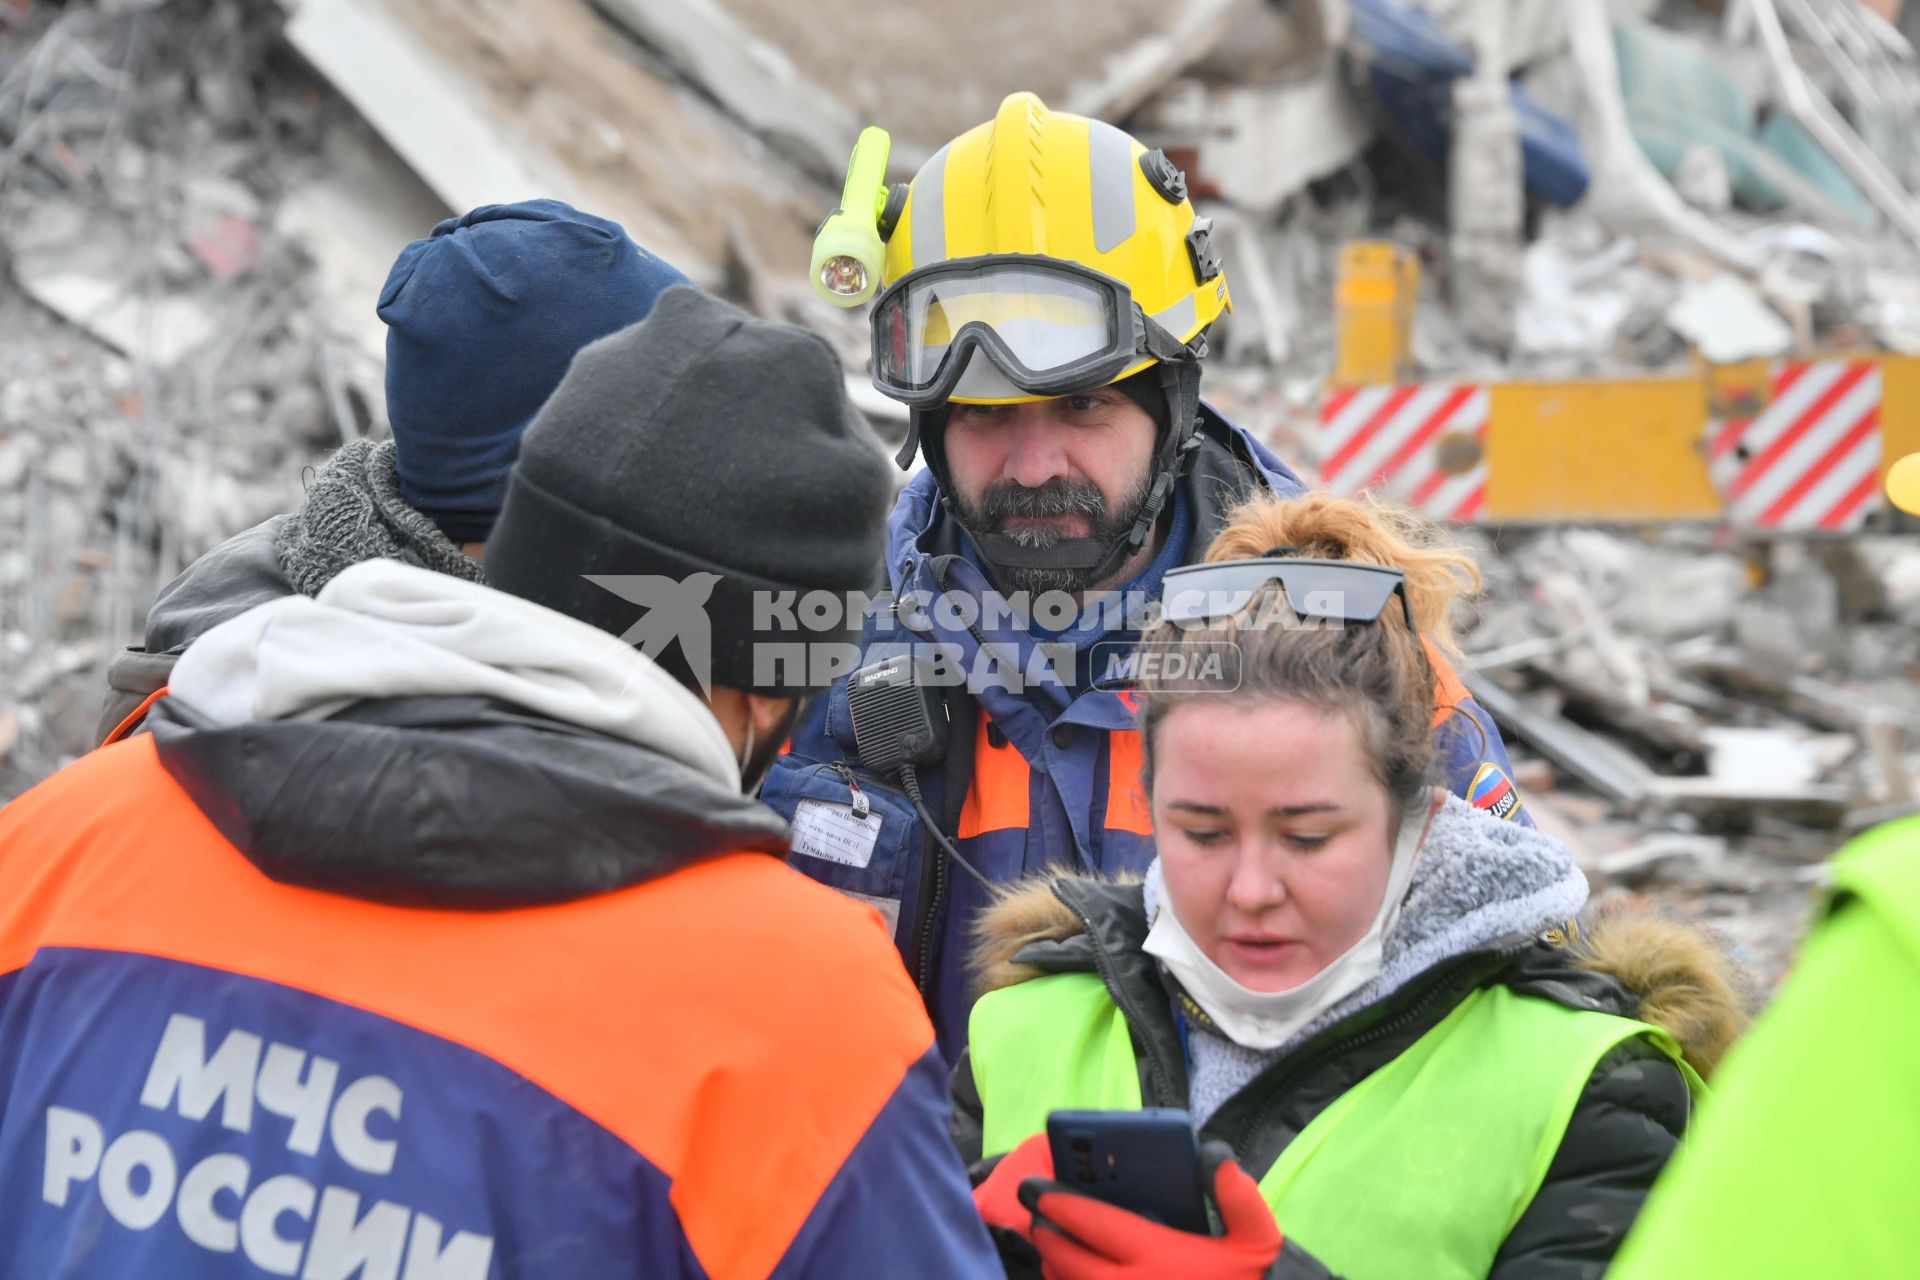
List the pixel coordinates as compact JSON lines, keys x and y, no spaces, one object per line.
{"x":1038,"y":184}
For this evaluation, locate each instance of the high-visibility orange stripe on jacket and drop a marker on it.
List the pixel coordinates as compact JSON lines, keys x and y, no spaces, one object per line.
{"x":206,"y":1072}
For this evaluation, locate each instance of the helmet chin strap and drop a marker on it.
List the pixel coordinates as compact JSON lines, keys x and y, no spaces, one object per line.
{"x":1101,"y":559}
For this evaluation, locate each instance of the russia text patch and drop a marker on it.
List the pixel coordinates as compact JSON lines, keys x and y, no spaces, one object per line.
{"x":1493,"y":791}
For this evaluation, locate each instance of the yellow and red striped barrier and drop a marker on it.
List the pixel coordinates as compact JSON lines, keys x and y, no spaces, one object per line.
{"x":1796,"y":446}
{"x":1422,"y":445}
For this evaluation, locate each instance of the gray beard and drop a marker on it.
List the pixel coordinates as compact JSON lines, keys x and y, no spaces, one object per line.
{"x":1106,"y":528}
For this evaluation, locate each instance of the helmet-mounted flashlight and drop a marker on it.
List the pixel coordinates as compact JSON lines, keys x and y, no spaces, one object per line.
{"x":848,"y":251}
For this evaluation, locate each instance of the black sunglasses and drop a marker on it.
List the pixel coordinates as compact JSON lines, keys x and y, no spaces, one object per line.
{"x":1332,"y":590}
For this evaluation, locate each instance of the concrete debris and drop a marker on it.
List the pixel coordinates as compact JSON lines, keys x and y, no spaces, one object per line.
{"x":1571,"y":307}
{"x":750,"y":76}
{"x":1737,"y":803}
{"x":1666,"y":856}
{"x":1703,"y":180}
{"x":1602,"y":766}
{"x":527,"y":98}
{"x":1704,"y":738}
{"x":352,"y":222}
{"x":86,"y":269}
{"x":1879,"y":578}
{"x":425,"y":109}
{"x":928,"y":75}
{"x":1255,"y":146}
{"x":1774,"y":758}
{"x":1486,"y":209}
{"x":1727,"y":321}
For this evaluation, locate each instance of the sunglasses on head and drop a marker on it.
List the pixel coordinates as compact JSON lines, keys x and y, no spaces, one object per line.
{"x":1329,"y":590}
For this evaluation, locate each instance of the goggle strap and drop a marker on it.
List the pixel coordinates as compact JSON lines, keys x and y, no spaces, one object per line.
{"x":1159,"y":343}
{"x":904,"y":459}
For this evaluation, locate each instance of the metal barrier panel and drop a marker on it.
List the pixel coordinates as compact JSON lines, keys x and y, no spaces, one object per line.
{"x":1809,"y":459}
{"x":1783,"y":447}
{"x":1423,"y":445}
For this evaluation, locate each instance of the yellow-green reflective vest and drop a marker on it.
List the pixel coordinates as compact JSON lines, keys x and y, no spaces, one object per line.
{"x":1882,"y":869}
{"x":1803,"y":1163}
{"x":1420,"y":1170}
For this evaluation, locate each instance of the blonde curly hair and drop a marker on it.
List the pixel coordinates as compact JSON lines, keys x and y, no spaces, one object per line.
{"x":1378,"y":674}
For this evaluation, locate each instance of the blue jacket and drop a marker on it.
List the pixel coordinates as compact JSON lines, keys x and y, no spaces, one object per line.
{"x":1035,"y":778}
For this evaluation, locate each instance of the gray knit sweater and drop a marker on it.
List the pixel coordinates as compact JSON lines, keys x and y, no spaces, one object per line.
{"x":354,"y":512}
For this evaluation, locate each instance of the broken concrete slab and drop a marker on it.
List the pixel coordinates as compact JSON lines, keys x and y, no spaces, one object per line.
{"x":1130,"y":74}
{"x":751,"y":77}
{"x":1267,"y":43}
{"x":1736,"y":803}
{"x":86,"y":268}
{"x":1727,"y":321}
{"x":353,"y":222}
{"x":1665,"y":856}
{"x":1774,"y":758}
{"x":927,"y":74}
{"x":431,"y":113}
{"x":1671,"y":743}
{"x":523,"y":98}
{"x":1608,"y":769}
{"x":1806,"y":699}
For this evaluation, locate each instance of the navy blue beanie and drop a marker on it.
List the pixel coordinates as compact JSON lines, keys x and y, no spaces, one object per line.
{"x":483,"y":317}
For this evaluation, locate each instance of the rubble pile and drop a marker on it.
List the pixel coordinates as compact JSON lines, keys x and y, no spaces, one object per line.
{"x":163,"y":381}
{"x":1695,"y":737}
{"x":199,"y":200}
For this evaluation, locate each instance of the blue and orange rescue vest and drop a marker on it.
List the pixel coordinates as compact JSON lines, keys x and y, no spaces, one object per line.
{"x":205,"y":1072}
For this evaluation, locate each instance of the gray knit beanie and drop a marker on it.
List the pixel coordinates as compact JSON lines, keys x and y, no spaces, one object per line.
{"x":701,"y":441}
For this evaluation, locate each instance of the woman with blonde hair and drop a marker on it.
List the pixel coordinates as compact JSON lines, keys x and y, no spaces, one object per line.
{"x":1372,"y":993}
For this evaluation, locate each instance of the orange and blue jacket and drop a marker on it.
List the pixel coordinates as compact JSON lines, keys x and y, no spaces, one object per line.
{"x":1036,"y":779}
{"x":414,"y":996}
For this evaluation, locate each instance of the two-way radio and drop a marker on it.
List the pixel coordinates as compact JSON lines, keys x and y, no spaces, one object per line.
{"x":900,"y":723}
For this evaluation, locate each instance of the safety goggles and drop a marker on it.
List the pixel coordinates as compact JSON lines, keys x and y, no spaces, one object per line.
{"x":1051,"y":327}
{"x":1330,"y":590}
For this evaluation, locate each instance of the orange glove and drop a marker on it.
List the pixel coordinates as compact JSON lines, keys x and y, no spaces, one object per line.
{"x":998,"y":1198}
{"x":1080,"y":1238}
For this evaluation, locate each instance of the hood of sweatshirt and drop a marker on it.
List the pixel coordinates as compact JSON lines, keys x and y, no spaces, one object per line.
{"x":408,"y":736}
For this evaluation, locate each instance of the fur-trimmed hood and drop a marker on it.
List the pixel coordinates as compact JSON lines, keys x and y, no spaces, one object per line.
{"x":1661,"y":970}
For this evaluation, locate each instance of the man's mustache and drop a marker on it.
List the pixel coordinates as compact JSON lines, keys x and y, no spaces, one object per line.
{"x":1057,"y":497}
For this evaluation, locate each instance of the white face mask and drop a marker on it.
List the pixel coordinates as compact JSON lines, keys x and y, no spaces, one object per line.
{"x":1267,"y":1020}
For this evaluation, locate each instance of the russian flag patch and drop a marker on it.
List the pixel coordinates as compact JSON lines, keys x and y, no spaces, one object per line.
{"x":1494,"y":792}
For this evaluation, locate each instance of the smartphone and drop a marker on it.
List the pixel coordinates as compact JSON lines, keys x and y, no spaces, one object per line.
{"x":1146,"y":1162}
